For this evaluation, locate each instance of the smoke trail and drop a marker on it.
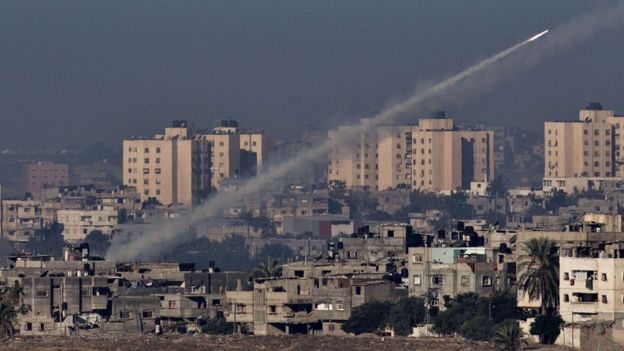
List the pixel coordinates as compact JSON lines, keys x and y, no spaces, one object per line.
{"x":174,"y":231}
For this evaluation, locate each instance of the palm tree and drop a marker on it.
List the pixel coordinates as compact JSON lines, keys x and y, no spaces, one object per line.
{"x":270,"y":269}
{"x":7,"y":320}
{"x":508,"y":336}
{"x":539,"y":267}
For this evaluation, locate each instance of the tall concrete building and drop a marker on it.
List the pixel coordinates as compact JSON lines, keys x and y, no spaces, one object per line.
{"x":235,"y":152}
{"x":45,"y":174}
{"x":430,"y":156}
{"x":394,"y":147}
{"x":355,"y":162}
{"x":172,"y":168}
{"x":588,"y":147}
{"x":255,"y":143}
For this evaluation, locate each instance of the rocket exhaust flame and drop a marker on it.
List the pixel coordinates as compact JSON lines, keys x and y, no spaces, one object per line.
{"x":537,"y":36}
{"x":167,"y":233}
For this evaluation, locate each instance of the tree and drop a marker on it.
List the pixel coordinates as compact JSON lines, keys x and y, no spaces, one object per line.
{"x":48,"y":240}
{"x":337,"y":189}
{"x":277,"y":251}
{"x":477,"y":328}
{"x":559,"y":199}
{"x":270,"y":269}
{"x":367,"y":318}
{"x":497,"y":187}
{"x":539,"y":267}
{"x":7,"y":321}
{"x":334,"y":206}
{"x":98,"y":242}
{"x":475,"y":317}
{"x":217,"y":326}
{"x":547,"y":326}
{"x":406,"y":314}
{"x":508,"y":336}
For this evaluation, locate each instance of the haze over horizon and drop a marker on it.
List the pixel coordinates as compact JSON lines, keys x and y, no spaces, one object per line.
{"x":78,"y":72}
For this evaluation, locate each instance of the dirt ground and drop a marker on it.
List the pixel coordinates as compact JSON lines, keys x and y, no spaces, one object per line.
{"x":229,"y":343}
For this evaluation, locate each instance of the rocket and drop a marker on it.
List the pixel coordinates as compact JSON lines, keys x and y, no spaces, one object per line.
{"x":537,"y":36}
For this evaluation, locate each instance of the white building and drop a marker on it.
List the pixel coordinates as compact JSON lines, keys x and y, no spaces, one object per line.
{"x":79,"y":223}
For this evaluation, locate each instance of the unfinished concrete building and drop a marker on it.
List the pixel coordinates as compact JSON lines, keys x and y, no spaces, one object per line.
{"x":306,"y":305}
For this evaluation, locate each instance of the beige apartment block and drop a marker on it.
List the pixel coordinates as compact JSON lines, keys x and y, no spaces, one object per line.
{"x":225,"y":155}
{"x":21,"y":219}
{"x":77,"y":224}
{"x":588,"y":147}
{"x":395,"y":161}
{"x":171,"y":168}
{"x":591,"y":289}
{"x":432,"y":156}
{"x":354,"y":162}
{"x":257,"y":143}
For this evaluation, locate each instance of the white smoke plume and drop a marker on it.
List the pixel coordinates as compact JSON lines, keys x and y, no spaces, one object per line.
{"x":469,"y":81}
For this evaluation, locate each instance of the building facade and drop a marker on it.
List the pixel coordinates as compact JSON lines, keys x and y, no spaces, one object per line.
{"x":172,"y":168}
{"x":588,"y":147}
{"x":431,"y":156}
{"x":45,"y":174}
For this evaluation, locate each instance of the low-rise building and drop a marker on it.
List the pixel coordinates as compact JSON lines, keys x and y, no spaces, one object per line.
{"x":77,"y":224}
{"x":306,"y":305}
{"x":438,"y":272}
{"x":21,"y":219}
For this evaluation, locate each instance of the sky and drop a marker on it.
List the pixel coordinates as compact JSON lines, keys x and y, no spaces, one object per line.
{"x":79,"y":72}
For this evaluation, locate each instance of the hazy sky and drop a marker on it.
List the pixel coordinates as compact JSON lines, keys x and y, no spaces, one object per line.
{"x":86,"y":71}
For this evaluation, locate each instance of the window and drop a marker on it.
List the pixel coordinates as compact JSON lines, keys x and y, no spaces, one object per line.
{"x":566,"y":276}
{"x":566,"y":298}
{"x":464,"y":280}
{"x":124,"y":314}
{"x":487,"y":280}
{"x":147,"y":314}
{"x":272,"y":309}
{"x":146,"y":160}
{"x":173,"y":304}
{"x":603,"y":277}
{"x":416,"y":258}
{"x":41,"y":326}
{"x":240,"y":308}
{"x":416,"y":279}
{"x":42,"y":293}
{"x":604,"y":299}
{"x":147,"y":150}
{"x":157,"y":170}
{"x":157,"y":151}
{"x":340,"y":306}
{"x":29,"y":326}
{"x":358,"y":290}
{"x":437,"y":279}
{"x":86,"y":292}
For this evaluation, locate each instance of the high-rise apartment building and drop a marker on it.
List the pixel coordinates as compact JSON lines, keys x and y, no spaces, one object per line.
{"x":588,"y":147}
{"x":235,"y":152}
{"x":172,"y":168}
{"x":355,"y":162}
{"x":430,"y":156}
